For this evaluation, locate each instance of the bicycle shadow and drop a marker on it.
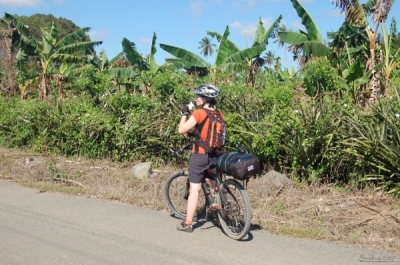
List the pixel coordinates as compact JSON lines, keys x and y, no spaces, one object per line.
{"x":202,"y":224}
{"x":215,"y":224}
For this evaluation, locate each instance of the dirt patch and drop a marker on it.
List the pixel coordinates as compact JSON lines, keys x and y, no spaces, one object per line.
{"x":364,"y":218}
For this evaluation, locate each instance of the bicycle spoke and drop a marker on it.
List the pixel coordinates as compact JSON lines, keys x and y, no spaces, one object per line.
{"x":236,"y":214}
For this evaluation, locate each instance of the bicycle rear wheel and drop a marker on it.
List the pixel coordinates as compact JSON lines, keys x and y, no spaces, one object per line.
{"x":235,"y":218}
{"x":177,"y":192}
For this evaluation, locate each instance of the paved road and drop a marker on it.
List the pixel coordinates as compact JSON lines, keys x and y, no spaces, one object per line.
{"x":49,"y":228}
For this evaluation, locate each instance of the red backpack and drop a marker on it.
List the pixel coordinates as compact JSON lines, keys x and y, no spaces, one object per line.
{"x":216,"y":132}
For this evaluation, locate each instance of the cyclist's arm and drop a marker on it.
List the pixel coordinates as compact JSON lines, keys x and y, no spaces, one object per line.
{"x":186,"y":124}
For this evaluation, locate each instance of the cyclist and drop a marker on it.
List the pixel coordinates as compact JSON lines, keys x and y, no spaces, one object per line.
{"x":200,"y":160}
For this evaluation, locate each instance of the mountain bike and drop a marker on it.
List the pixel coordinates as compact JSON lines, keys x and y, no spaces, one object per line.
{"x":222,"y":197}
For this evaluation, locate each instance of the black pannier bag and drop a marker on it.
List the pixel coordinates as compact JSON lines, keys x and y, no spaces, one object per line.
{"x":239,"y":165}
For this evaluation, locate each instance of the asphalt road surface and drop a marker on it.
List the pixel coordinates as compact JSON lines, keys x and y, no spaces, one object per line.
{"x":50,"y":228}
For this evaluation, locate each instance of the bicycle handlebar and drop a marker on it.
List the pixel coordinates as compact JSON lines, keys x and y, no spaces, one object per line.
{"x":186,"y":147}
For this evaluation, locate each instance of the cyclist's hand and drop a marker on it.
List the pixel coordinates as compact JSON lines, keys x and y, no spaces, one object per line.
{"x":191,"y":133}
{"x":187,"y":109}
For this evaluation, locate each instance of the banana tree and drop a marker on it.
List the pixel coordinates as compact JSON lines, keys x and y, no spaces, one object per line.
{"x":27,"y":75}
{"x":67,"y":50}
{"x":153,"y":67}
{"x":261,"y":39}
{"x":348,"y":37}
{"x":63,"y":73}
{"x":145,"y":67}
{"x":356,"y":14}
{"x":228,"y":56}
{"x":309,"y":43}
{"x":391,"y":54}
{"x":16,"y":36}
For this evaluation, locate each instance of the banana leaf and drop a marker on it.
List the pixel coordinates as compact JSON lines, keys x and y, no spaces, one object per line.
{"x":260,"y":34}
{"x":316,"y":48}
{"x":121,"y":72}
{"x":186,"y":56}
{"x":133,"y":56}
{"x":391,"y":52}
{"x":263,"y":35}
{"x":74,"y":37}
{"x":25,"y":38}
{"x":103,"y":59}
{"x":152,"y":63}
{"x":232,"y":46}
{"x":223,"y":49}
{"x":292,"y":38}
{"x":245,"y":54}
{"x":307,"y":21}
{"x":76,"y":47}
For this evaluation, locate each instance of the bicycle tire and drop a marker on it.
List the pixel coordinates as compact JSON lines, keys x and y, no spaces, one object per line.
{"x":237,"y":220}
{"x":176,"y":192}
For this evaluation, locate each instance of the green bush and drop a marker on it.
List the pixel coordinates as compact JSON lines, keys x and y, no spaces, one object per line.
{"x":326,"y":139}
{"x":320,"y":76}
{"x":92,"y":81}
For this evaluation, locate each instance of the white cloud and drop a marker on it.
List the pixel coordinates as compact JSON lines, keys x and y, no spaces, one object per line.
{"x":335,"y":13}
{"x":21,"y":3}
{"x":216,"y":2}
{"x":197,"y":8}
{"x":249,"y":30}
{"x":98,"y":35}
{"x":298,"y":25}
{"x":251,"y":3}
{"x":61,"y":2}
{"x":144,"y":41}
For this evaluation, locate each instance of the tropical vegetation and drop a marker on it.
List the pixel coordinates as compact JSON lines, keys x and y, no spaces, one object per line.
{"x":335,"y":120}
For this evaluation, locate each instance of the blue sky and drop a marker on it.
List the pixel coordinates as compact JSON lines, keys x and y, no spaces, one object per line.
{"x":181,"y":23}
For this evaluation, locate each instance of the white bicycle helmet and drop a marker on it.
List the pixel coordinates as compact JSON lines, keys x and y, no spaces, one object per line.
{"x":208,"y":91}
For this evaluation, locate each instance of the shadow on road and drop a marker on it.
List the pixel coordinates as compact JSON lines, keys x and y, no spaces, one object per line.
{"x":215,"y":224}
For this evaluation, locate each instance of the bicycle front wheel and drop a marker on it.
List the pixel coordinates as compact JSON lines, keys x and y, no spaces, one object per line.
{"x":177,"y":193}
{"x":235,"y":216}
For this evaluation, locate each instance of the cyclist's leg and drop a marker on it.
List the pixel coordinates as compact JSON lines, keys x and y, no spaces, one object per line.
{"x":197,"y":165}
{"x":193,"y":199}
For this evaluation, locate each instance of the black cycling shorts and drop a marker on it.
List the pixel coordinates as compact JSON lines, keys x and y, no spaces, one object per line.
{"x":198,"y":163}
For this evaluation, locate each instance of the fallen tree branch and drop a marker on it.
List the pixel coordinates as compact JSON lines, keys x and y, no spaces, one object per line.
{"x":70,"y":181}
{"x":379,"y":212}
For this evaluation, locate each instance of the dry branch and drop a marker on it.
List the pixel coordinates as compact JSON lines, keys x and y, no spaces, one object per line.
{"x":70,"y":181}
{"x":379,"y":212}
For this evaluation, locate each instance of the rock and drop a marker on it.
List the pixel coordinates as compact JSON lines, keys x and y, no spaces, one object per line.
{"x":270,"y":182}
{"x":142,"y":170}
{"x":274,"y":178}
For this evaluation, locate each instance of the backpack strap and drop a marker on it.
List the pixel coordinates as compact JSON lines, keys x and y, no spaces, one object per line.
{"x":199,"y":129}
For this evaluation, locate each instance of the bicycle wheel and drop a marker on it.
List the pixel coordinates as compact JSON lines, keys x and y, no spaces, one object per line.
{"x":177,"y":192}
{"x":235,"y":218}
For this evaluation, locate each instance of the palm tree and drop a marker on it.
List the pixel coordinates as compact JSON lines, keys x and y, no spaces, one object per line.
{"x":269,"y":58}
{"x":206,"y":47}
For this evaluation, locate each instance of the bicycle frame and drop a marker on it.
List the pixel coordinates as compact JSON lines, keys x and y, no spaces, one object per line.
{"x":225,"y":197}
{"x":216,"y":176}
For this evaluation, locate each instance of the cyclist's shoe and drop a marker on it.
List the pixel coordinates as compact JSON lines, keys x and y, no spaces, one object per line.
{"x":184,"y":227}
